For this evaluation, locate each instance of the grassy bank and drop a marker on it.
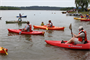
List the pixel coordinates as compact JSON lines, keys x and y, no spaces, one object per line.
{"x":84,"y":13}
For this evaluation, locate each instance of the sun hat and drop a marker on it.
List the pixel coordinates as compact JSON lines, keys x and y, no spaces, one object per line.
{"x":80,"y":27}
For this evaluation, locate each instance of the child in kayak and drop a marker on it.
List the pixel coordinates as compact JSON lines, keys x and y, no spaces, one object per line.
{"x":81,"y":38}
{"x":50,"y":24}
{"x":42,"y":24}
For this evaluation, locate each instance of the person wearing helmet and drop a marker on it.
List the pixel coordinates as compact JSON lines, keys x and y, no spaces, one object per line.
{"x":81,"y":38}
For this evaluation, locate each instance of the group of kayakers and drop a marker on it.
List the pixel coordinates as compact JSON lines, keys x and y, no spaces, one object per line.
{"x":28,"y":27}
{"x":81,"y":38}
{"x":87,"y":16}
{"x":50,"y":24}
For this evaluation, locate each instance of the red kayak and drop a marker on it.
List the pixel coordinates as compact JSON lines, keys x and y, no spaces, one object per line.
{"x":49,"y":28}
{"x":70,"y":46}
{"x":85,"y":20}
{"x":28,"y":33}
{"x":3,"y":50}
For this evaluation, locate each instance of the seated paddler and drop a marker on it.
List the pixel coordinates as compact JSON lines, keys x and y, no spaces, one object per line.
{"x":28,"y":27}
{"x":81,"y":38}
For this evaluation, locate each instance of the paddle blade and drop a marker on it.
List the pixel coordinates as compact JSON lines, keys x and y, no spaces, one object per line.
{"x":5,"y":52}
{"x":46,"y":28}
{"x":20,"y":32}
{"x":70,"y":26}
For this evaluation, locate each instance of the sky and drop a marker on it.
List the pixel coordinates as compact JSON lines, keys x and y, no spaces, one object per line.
{"x":53,"y":3}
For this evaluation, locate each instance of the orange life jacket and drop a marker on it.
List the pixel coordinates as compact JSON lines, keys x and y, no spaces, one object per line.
{"x":30,"y":29}
{"x":85,"y":38}
{"x":81,"y":16}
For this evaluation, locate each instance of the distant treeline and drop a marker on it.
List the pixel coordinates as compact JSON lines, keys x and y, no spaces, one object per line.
{"x":9,"y":8}
{"x":67,"y":8}
{"x":40,"y":8}
{"x":34,"y":8}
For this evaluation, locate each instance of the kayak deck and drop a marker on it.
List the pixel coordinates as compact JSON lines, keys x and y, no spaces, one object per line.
{"x":49,"y":28}
{"x":78,"y":18}
{"x":3,"y":50}
{"x":85,"y":20}
{"x":27,"y":33}
{"x":70,"y":46}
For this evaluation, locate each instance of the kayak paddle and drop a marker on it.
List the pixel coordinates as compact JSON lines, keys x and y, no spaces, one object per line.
{"x":46,"y":28}
{"x":70,"y":27}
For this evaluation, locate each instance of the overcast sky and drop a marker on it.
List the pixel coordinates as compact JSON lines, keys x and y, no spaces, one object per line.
{"x":57,"y":3}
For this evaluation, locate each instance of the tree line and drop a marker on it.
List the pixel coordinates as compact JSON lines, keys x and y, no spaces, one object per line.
{"x":9,"y":8}
{"x":82,"y":3}
{"x":34,"y":8}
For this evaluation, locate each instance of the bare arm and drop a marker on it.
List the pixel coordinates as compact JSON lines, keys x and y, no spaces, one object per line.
{"x":76,"y":35}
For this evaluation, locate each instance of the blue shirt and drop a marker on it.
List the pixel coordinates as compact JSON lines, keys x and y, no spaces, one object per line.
{"x":51,"y":24}
{"x":28,"y":28}
{"x":19,"y":19}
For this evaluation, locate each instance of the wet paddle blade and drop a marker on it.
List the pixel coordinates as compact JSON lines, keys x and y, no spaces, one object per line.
{"x":46,"y":28}
{"x":5,"y":52}
{"x":70,"y":26}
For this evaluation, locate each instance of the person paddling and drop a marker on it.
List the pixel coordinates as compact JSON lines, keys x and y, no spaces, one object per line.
{"x":82,"y":16}
{"x":50,"y":24}
{"x":20,"y":15}
{"x":28,"y":27}
{"x":19,"y":19}
{"x":81,"y":38}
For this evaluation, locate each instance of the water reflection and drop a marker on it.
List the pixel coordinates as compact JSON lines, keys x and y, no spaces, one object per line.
{"x":19,"y":24}
{"x":28,"y":37}
{"x":88,"y":23}
{"x":49,"y":33}
{"x":72,"y":54}
{"x":12,"y":34}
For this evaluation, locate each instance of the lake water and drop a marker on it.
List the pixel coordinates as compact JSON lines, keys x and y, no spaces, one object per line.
{"x":34,"y":47}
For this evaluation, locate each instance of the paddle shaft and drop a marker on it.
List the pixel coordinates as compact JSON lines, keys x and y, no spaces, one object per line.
{"x":70,"y":27}
{"x":71,"y":32}
{"x":4,"y":50}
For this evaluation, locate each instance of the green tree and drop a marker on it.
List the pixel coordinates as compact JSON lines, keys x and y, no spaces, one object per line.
{"x":82,"y":3}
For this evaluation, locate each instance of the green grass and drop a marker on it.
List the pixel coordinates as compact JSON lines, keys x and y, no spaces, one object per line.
{"x":84,"y":13}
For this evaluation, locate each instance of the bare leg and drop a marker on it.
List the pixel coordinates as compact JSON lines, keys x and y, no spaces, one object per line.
{"x":71,"y":40}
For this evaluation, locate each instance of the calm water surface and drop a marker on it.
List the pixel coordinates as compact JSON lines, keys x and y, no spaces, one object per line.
{"x":34,"y":47}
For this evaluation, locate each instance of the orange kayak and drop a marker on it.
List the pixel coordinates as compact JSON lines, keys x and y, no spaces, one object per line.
{"x":3,"y":50}
{"x":49,"y":28}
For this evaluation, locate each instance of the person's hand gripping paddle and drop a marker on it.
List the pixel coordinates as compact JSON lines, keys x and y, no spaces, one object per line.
{"x":70,"y":27}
